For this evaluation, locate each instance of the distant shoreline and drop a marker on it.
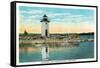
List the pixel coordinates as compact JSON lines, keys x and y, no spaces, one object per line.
{"x":88,"y":33}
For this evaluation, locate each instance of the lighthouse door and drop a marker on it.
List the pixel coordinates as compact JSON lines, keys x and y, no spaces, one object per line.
{"x":46,"y":33}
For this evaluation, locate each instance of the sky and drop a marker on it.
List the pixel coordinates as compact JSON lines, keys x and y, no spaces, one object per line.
{"x":62,"y":20}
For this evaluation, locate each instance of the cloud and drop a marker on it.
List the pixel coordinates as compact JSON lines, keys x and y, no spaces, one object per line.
{"x":31,"y":12}
{"x":58,"y":14}
{"x":73,"y":18}
{"x":68,"y":17}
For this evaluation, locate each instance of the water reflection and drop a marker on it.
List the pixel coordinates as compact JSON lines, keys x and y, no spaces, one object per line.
{"x":56,"y":50}
{"x":31,"y":48}
{"x":42,"y":51}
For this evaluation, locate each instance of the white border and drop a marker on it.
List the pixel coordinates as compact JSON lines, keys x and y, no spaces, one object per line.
{"x":53,"y":6}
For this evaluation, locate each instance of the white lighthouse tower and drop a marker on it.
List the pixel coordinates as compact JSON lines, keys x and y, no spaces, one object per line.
{"x":45,"y":26}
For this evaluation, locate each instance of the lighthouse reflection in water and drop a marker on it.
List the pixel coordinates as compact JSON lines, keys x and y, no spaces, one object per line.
{"x":45,"y":52}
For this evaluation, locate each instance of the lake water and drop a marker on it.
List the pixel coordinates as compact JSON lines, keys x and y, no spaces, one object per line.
{"x":80,"y":51}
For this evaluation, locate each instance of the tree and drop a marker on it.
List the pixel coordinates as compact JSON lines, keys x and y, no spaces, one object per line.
{"x":25,"y":33}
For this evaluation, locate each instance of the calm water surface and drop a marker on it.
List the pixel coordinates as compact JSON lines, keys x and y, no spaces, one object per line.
{"x":81,"y":51}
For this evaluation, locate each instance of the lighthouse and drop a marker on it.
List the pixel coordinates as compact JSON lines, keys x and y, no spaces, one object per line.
{"x":45,"y":26}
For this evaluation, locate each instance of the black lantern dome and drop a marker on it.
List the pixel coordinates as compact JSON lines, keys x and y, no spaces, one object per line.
{"x":45,"y":18}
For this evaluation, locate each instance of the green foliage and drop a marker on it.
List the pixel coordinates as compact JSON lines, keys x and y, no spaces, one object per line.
{"x":25,"y":33}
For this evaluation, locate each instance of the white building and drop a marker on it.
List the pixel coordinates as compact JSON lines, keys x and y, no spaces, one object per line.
{"x":45,"y":26}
